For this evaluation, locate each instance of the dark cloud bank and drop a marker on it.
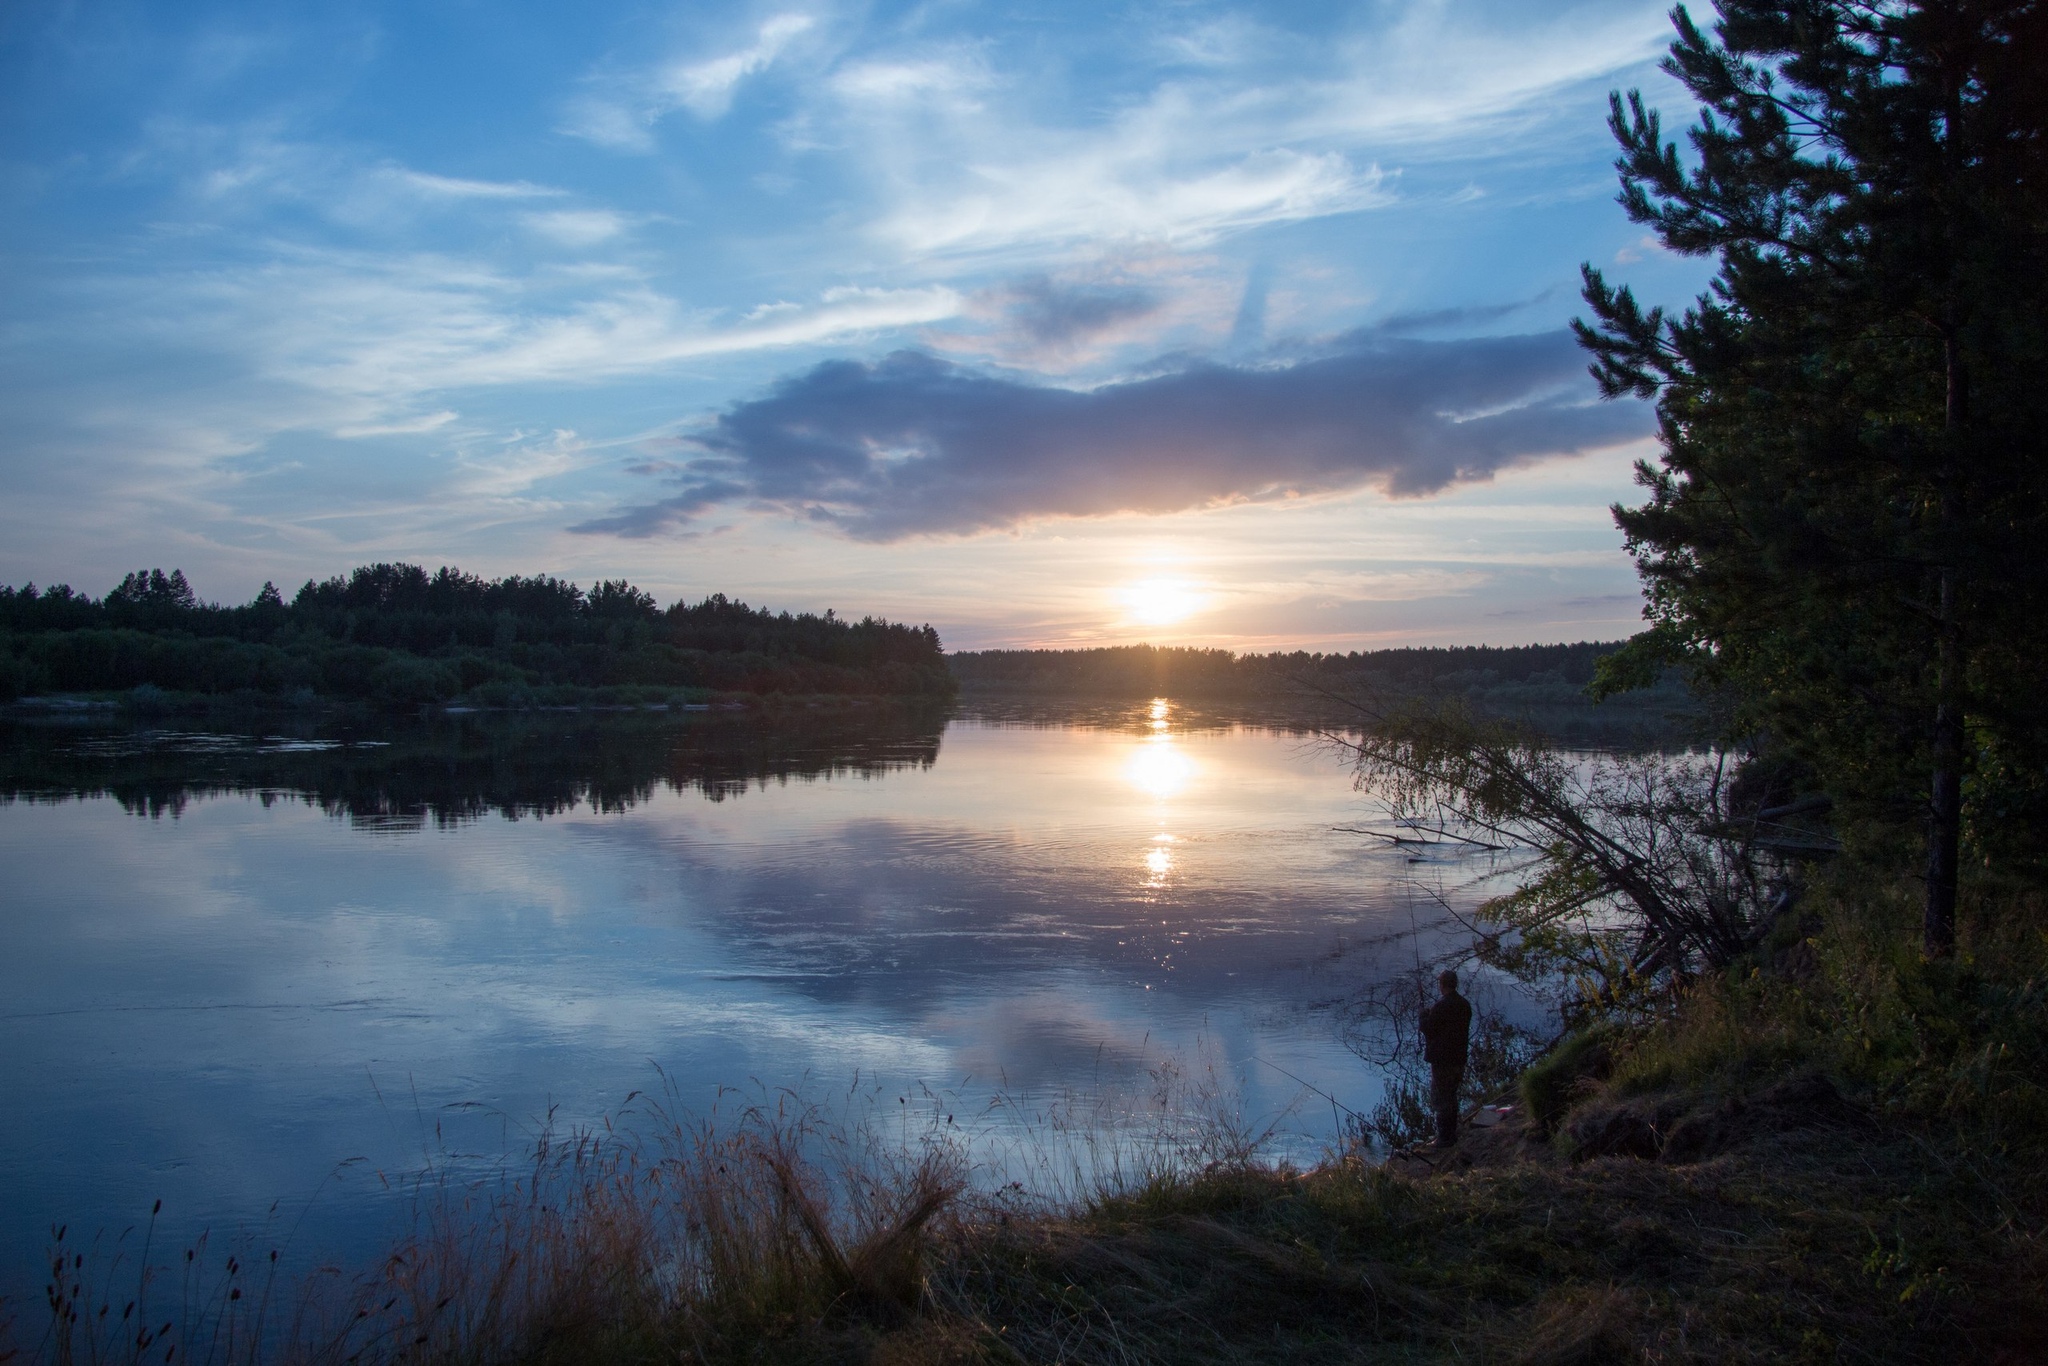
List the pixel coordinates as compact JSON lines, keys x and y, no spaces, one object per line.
{"x":913,"y":445}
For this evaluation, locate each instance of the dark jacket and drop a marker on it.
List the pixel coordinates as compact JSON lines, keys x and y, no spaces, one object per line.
{"x":1446,"y":1031}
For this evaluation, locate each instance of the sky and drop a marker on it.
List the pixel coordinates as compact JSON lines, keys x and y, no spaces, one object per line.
{"x":1048,"y":324}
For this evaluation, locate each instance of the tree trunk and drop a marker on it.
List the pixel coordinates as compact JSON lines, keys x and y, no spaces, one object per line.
{"x":1945,"y":794}
{"x":1945,"y":809}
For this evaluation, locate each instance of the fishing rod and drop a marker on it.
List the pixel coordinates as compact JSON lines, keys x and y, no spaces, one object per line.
{"x":1334,"y":1102}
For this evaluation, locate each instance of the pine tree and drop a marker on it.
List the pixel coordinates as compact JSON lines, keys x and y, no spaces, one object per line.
{"x":1846,"y":520}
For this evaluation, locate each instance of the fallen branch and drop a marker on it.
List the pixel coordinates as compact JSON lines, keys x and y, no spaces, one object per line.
{"x":1446,"y":838}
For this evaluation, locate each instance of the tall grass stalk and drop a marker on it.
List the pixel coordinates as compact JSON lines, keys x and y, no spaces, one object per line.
{"x":655,"y":1232}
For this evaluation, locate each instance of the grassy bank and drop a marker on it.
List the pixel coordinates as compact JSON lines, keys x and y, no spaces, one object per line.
{"x":1833,"y":1153}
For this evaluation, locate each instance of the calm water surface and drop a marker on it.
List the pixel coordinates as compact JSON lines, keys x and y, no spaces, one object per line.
{"x":246,"y":971}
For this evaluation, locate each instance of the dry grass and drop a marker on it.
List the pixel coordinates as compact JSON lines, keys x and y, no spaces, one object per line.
{"x":1780,"y":1251}
{"x":1901,"y":1221}
{"x":707,"y":1239}
{"x":1850,"y":1242}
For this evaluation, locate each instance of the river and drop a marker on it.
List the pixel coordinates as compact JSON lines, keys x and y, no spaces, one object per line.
{"x":262,"y":972}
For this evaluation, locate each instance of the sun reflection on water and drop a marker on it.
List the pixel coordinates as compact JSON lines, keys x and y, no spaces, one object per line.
{"x":1162,"y":770}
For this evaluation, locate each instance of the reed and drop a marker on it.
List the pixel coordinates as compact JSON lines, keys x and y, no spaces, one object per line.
{"x":657,"y":1232}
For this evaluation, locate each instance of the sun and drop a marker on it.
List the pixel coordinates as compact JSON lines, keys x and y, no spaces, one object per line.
{"x":1160,"y":602}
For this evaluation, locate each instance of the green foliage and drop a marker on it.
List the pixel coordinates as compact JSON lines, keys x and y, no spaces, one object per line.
{"x":1549,"y":937}
{"x":1844,"y":525}
{"x":2006,"y":808}
{"x":1553,"y":1083}
{"x":1962,"y":1040}
{"x":16,"y":674}
{"x":1730,"y":1033}
{"x":394,"y":635}
{"x":1959,"y":1042}
{"x":151,"y":590}
{"x":1640,"y":663}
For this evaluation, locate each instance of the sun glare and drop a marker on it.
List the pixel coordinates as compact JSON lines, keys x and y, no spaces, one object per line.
{"x":1160,"y":602}
{"x":1159,"y":768}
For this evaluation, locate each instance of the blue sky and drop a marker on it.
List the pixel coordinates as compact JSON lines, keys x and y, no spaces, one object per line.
{"x":1048,"y":324}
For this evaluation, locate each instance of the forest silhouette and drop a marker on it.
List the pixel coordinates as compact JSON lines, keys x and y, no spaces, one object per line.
{"x":395,"y":634}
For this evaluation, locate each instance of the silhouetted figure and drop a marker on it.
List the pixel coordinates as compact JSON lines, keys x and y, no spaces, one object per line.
{"x":1446,"y":1031}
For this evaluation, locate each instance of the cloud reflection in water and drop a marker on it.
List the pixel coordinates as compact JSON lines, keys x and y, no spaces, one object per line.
{"x":1049,"y":906}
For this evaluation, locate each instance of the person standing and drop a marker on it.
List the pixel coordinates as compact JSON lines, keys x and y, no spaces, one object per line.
{"x":1446,"y":1035}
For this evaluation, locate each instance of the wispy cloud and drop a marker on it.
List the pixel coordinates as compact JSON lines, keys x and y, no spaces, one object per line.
{"x":1235,"y":128}
{"x":954,"y":79}
{"x":577,"y":227}
{"x":964,"y":148}
{"x":389,"y":332}
{"x":1117,"y":192}
{"x":1052,"y":321}
{"x":705,"y":88}
{"x":961,"y":170}
{"x":259,"y":162}
{"x":620,"y":111}
{"x":1093,"y":312}
{"x":914,"y":445}
{"x":363,"y":344}
{"x":426,"y":422}
{"x":513,"y":468}
{"x":1442,"y":75}
{"x":453,"y":187}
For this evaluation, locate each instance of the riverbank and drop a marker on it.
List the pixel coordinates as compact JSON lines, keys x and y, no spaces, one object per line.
{"x":1832,"y":1153}
{"x":148,"y":703}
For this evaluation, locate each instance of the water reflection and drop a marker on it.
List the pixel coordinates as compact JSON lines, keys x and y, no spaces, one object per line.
{"x":218,"y":1009}
{"x":448,"y":770}
{"x":1160,"y":768}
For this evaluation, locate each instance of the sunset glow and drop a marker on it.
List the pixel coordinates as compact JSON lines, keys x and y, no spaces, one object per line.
{"x":1161,"y":602}
{"x":1238,"y":326}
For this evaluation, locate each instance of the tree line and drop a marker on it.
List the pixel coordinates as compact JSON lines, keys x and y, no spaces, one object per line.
{"x":397,"y":634}
{"x":1149,"y":670}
